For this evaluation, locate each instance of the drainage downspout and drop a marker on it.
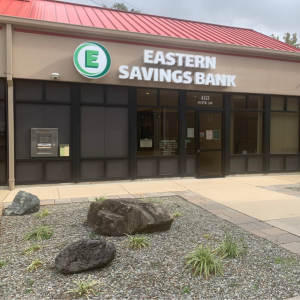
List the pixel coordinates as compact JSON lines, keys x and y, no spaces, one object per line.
{"x":10,"y":108}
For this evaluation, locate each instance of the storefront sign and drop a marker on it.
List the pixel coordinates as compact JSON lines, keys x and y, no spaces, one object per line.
{"x":92,"y":60}
{"x":177,"y":76}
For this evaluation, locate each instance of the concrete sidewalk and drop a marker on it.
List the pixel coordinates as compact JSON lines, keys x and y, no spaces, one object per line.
{"x":268,"y":206}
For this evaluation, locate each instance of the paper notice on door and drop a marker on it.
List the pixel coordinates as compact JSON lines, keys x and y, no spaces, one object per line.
{"x":190,"y":133}
{"x":209,"y":134}
{"x":145,"y":143}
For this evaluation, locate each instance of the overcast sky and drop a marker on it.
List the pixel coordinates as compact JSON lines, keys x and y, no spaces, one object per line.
{"x":265,"y":16}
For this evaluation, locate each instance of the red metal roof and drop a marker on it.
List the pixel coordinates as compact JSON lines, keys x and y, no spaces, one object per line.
{"x":77,"y":14}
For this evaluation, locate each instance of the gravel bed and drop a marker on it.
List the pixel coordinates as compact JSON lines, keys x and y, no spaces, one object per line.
{"x":265,"y":271}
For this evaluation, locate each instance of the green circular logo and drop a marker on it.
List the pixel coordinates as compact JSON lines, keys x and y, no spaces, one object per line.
{"x":92,"y":60}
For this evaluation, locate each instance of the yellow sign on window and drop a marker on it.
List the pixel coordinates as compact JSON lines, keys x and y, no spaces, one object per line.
{"x":64,"y":150}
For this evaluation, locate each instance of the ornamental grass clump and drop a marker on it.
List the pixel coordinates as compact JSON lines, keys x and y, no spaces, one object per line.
{"x":84,"y":287}
{"x":138,"y":242}
{"x":177,"y":214}
{"x":204,"y":261}
{"x":40,"y":233}
{"x":36,"y":263}
{"x":42,"y":214}
{"x":33,"y":248}
{"x":100,"y":199}
{"x":229,"y":248}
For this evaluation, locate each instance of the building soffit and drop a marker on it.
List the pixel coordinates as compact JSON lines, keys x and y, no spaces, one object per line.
{"x":147,"y":40}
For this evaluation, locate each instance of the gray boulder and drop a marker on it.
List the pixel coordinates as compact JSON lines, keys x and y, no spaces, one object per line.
{"x":23,"y":204}
{"x":117,"y":217}
{"x":85,"y":255}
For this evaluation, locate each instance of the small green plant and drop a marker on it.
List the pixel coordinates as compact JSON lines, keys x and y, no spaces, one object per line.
{"x":42,"y":214}
{"x":31,"y":282}
{"x":33,"y":248}
{"x":40,"y":233}
{"x":207,"y":236}
{"x":28,"y":291}
{"x":2,"y":263}
{"x":204,"y":261}
{"x":92,"y":235}
{"x":153,"y":200}
{"x":177,"y":214}
{"x":286,"y":262}
{"x":36,"y":263}
{"x":100,"y":199}
{"x":186,"y":290}
{"x":229,"y":248}
{"x":84,"y":287}
{"x":256,"y":286}
{"x":138,"y":242}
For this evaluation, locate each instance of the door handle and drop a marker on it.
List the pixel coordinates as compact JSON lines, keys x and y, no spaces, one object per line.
{"x":198,"y":152}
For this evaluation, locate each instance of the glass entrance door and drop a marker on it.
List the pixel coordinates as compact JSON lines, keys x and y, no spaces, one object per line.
{"x":210,"y":146}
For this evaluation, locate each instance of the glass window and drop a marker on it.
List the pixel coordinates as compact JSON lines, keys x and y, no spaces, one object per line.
{"x":238,"y":101}
{"x":146,"y":97}
{"x":284,"y":133}
{"x":58,"y":91}
{"x":117,"y":94}
{"x":190,"y":142}
{"x":29,"y":90}
{"x":157,"y":131}
{"x":277,"y":103}
{"x":168,"y":98}
{"x":292,"y":104}
{"x":256,"y":102}
{"x":92,"y":93}
{"x":204,"y":99}
{"x":246,"y":132}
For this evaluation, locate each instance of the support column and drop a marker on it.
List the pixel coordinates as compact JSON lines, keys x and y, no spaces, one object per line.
{"x":10,"y":109}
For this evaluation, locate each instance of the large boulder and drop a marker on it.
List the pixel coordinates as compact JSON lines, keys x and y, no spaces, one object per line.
{"x":23,"y":204}
{"x":85,"y":255}
{"x":117,"y":217}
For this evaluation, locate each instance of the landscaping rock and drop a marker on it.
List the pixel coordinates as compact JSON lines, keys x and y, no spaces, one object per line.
{"x":117,"y":217}
{"x":85,"y":255}
{"x":23,"y":204}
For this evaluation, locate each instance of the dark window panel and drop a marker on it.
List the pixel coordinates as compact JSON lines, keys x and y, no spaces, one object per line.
{"x":190,"y":166}
{"x":58,"y":91}
{"x":255,"y":164}
{"x":246,"y":132}
{"x":147,"y":97}
{"x":58,"y":170}
{"x":238,"y":101}
{"x":277,"y":103}
{"x":117,"y":168}
{"x":29,"y":90}
{"x":147,"y":167}
{"x":168,"y":98}
{"x":116,"y":132}
{"x":92,"y":131}
{"x":292,"y":104}
{"x":292,"y":162}
{"x":168,"y":166}
{"x":238,"y":164}
{"x":117,"y":94}
{"x":284,"y":137}
{"x":92,"y":169}
{"x":256,"y":102}
{"x":29,"y":171}
{"x":277,"y":163}
{"x":2,"y":89}
{"x":92,"y":93}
